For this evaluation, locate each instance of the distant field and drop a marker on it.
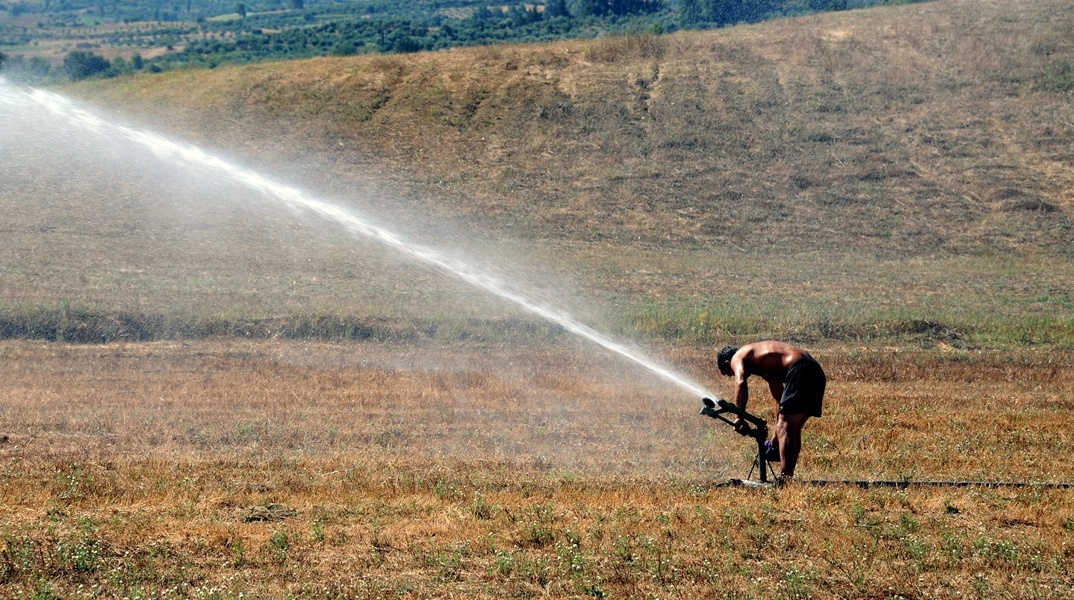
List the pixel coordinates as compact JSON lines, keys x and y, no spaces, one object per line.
{"x":855,"y":176}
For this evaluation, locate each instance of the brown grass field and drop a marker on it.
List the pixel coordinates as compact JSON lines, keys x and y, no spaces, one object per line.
{"x":232,"y":469}
{"x":208,"y":396}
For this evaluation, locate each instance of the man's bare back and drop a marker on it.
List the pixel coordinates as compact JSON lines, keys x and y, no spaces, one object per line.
{"x":795,"y":380}
{"x":769,"y":360}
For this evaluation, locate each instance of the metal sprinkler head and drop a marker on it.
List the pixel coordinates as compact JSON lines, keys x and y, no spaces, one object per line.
{"x":756,"y":428}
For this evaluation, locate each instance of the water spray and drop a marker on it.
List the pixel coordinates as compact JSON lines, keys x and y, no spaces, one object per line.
{"x":356,"y":224}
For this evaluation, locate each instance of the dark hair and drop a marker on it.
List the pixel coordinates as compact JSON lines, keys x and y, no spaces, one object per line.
{"x":723,"y":359}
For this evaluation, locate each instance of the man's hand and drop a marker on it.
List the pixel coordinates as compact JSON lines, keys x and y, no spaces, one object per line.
{"x":771,"y":450}
{"x":742,"y":427}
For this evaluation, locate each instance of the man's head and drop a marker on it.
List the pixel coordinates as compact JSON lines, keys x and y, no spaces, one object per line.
{"x":723,"y":360}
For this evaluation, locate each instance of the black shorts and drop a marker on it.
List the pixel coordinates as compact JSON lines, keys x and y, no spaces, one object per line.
{"x":803,"y":390}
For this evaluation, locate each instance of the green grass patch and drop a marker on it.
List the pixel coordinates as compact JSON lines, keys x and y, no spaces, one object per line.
{"x":731,"y":321}
{"x":746,"y":319}
{"x":77,"y":324}
{"x":1058,"y":78}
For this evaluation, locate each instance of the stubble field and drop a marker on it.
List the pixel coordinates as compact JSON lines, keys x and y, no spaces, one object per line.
{"x":272,"y":469}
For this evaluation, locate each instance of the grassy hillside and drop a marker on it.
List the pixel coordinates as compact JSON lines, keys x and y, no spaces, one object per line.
{"x":904,"y":168}
{"x":906,"y":130}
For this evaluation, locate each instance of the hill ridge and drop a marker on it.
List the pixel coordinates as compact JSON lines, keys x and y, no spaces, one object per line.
{"x":895,"y":127}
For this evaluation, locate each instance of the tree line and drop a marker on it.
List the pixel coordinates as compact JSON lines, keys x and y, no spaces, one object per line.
{"x":301,"y":29}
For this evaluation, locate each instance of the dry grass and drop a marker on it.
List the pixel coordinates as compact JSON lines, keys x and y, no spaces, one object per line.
{"x":241,"y":469}
{"x":887,"y":131}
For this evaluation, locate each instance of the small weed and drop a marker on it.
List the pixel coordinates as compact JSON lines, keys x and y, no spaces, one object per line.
{"x":759,"y":535}
{"x":914,"y":547}
{"x":281,"y":543}
{"x":481,"y":508}
{"x":573,"y":559}
{"x":907,"y":523}
{"x":446,"y":491}
{"x":981,"y":586}
{"x":594,"y":590}
{"x":73,"y":483}
{"x":952,"y":545}
{"x":1002,"y":551}
{"x":82,"y":557}
{"x":539,"y":532}
{"x":238,"y":554}
{"x":658,"y":558}
{"x":505,"y":563}
{"x":623,"y":549}
{"x":450,"y":562}
{"x":795,"y":585}
{"x":45,"y":591}
{"x":535,"y":571}
{"x":1058,"y":78}
{"x":866,"y":521}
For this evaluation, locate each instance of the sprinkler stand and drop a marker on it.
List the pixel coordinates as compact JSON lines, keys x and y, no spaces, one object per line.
{"x":757,"y":429}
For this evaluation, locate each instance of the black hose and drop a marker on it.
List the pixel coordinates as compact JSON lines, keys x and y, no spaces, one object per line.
{"x":905,"y":483}
{"x":863,"y":483}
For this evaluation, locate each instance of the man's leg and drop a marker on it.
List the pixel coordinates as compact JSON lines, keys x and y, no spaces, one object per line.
{"x":789,"y":434}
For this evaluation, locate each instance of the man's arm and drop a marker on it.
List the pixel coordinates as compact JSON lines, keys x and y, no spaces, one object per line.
{"x":742,"y":392}
{"x":777,"y":390}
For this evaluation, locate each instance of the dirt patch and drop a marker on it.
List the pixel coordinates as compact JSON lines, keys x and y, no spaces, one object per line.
{"x":268,"y":513}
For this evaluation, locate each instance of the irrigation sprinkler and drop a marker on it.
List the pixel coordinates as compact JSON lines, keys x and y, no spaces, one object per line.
{"x":756,"y":428}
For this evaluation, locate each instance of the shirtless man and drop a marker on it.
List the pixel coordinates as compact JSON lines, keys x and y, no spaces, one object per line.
{"x":797,"y":385}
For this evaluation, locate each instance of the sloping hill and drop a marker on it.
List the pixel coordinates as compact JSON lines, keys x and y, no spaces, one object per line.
{"x":910,"y":130}
{"x":899,"y":171}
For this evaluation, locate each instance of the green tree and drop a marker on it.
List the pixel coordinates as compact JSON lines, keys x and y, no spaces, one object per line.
{"x":2,"y":58}
{"x":633,"y":7}
{"x":481,"y":13}
{"x":593,"y":8}
{"x":729,"y":12}
{"x":345,"y":48}
{"x":691,"y":12}
{"x":38,"y":66}
{"x":521,"y":16}
{"x":556,"y":8}
{"x":82,"y":65}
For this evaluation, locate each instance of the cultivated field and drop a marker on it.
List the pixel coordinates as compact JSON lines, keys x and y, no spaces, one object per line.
{"x":208,"y":395}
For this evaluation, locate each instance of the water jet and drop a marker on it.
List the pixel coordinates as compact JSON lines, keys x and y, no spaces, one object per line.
{"x":204,"y":163}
